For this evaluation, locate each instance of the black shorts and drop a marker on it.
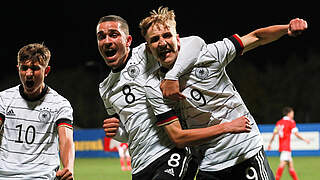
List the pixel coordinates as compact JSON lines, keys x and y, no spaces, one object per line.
{"x":192,"y":170}
{"x":255,"y":168}
{"x":170,"y":166}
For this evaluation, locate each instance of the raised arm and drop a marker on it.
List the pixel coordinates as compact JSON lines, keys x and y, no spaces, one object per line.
{"x":269,"y":34}
{"x":275,"y":132}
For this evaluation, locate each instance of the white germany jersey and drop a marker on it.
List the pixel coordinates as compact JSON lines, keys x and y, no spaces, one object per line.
{"x":123,"y":93}
{"x":29,"y":147}
{"x":212,"y":99}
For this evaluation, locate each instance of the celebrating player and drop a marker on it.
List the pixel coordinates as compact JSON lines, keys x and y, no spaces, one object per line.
{"x":284,"y":128}
{"x":211,"y":98}
{"x":153,"y":154}
{"x":36,"y":121}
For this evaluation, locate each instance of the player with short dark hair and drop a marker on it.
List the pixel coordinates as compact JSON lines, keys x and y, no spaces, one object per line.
{"x":36,"y":123}
{"x":284,"y":128}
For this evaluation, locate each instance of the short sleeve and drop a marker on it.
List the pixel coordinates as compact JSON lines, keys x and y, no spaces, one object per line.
{"x":65,"y":114}
{"x":224,"y":51}
{"x":294,"y":130}
{"x":294,"y":127}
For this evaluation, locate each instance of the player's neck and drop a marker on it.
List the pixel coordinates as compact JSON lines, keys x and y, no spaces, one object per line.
{"x":33,"y":96}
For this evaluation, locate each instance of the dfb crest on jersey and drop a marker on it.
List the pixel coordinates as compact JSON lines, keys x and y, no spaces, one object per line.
{"x":133,"y":71}
{"x":202,"y":72}
{"x":44,"y":115}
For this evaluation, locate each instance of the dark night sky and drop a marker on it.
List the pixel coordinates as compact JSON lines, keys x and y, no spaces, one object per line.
{"x":68,"y":28}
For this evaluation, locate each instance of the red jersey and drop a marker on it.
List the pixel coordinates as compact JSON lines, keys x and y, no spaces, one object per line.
{"x":285,"y":127}
{"x":124,"y":145}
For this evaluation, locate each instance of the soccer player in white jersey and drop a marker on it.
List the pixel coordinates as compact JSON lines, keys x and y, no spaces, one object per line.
{"x":153,"y":154}
{"x":36,"y":123}
{"x":211,"y":98}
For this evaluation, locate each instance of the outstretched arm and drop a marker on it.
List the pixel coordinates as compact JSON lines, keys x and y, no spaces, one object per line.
{"x":302,"y":138}
{"x":262,"y":36}
{"x":272,"y":138}
{"x":269,"y":34}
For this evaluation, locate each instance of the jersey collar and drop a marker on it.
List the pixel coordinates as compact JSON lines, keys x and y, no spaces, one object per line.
{"x":24,"y":96}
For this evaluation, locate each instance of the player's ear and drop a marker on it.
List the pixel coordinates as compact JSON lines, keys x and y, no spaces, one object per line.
{"x":47,"y":70}
{"x":129,"y":40}
{"x":178,"y":41}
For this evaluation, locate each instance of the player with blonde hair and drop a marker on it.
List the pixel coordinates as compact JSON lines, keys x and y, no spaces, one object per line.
{"x":145,"y":127}
{"x":208,"y":96}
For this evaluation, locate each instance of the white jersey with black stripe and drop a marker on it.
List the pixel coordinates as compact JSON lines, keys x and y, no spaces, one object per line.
{"x":29,"y":147}
{"x":124,"y":94}
{"x":213,"y":99}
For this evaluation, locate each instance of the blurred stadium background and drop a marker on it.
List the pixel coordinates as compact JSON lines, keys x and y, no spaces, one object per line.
{"x":284,"y":73}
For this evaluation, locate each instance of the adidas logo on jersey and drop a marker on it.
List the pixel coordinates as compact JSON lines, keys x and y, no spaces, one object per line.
{"x":11,"y":113}
{"x":169,"y":171}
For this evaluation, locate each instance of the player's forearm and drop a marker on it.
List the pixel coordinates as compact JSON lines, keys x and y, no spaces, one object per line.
{"x":67,"y":154}
{"x":272,"y":138}
{"x":66,"y":146}
{"x":271,"y":33}
{"x":190,"y":137}
{"x":263,"y":36}
{"x":299,"y":136}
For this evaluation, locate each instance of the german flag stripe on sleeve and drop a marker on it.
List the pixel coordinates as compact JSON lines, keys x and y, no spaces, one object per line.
{"x":235,"y":39}
{"x":64,"y":122}
{"x":166,"y":118}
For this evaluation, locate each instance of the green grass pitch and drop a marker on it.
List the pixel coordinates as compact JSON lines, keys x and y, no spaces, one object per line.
{"x":307,"y":168}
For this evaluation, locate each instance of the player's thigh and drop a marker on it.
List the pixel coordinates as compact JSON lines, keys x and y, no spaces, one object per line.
{"x":173,"y":166}
{"x":256,"y":168}
{"x":170,"y":166}
{"x":192,"y":169}
{"x":285,"y":156}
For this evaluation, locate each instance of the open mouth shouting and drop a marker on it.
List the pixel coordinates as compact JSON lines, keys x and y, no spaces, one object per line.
{"x":110,"y":52}
{"x":29,"y":83}
{"x":164,"y":53}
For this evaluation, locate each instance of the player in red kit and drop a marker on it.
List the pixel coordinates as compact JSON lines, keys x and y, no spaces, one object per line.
{"x":125,"y":159}
{"x":284,"y":128}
